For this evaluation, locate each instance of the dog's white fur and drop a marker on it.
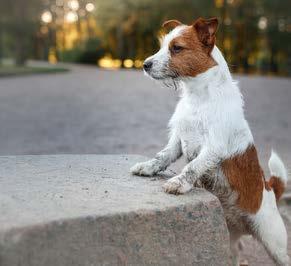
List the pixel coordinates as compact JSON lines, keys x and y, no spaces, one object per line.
{"x":207,"y":127}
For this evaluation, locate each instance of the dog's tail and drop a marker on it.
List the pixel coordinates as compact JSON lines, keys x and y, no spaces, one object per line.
{"x":279,"y":175}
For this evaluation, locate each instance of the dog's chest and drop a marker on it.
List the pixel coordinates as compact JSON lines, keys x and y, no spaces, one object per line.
{"x":192,"y":128}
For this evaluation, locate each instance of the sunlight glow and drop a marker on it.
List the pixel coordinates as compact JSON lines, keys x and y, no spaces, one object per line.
{"x":71,"y":17}
{"x":46,"y":17}
{"x":108,"y":62}
{"x":90,"y":7}
{"x":138,"y":63}
{"x":128,"y":63}
{"x":263,"y":23}
{"x":74,"y":5}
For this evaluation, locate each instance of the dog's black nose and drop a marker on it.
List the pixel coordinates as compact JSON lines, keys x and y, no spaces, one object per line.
{"x":147,"y":65}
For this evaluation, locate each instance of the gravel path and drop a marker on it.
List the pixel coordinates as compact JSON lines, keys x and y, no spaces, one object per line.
{"x":95,"y":111}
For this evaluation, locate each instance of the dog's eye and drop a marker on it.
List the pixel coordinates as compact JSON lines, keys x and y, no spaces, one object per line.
{"x":177,"y":48}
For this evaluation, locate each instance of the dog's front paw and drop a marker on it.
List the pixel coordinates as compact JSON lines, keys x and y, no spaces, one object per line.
{"x":177,"y":185}
{"x":148,"y":168}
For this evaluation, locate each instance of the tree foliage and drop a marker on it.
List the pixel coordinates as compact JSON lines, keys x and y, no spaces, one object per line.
{"x":129,"y":28}
{"x":19,"y":21}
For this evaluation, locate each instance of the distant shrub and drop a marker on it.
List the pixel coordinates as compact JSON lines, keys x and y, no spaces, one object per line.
{"x":90,"y":53}
{"x":71,"y":56}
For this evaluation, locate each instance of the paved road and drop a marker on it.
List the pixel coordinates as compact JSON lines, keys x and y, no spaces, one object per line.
{"x":96,"y":111}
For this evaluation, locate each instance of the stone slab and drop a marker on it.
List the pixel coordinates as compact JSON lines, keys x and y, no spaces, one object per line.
{"x":88,"y":210}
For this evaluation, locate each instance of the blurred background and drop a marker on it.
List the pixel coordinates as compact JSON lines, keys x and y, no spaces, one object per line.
{"x":71,"y":79}
{"x":254,"y":35}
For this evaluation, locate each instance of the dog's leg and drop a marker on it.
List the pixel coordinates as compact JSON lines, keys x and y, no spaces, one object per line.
{"x":182,"y":183}
{"x":234,"y":248}
{"x":270,"y":230}
{"x":161,"y":161}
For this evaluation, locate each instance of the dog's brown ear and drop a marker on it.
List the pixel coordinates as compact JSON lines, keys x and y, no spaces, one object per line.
{"x":171,"y":24}
{"x":206,"y":29}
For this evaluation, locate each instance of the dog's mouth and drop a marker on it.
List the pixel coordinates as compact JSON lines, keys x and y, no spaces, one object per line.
{"x":168,"y":80}
{"x":157,"y":77}
{"x":161,"y":75}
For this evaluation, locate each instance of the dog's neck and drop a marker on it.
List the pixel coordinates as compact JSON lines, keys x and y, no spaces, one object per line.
{"x":199,"y":86}
{"x":215,"y":82}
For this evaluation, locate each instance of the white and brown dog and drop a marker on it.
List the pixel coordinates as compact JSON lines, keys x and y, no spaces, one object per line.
{"x":208,"y":127}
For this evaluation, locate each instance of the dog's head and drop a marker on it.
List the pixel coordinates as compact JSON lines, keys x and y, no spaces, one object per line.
{"x":185,"y":51}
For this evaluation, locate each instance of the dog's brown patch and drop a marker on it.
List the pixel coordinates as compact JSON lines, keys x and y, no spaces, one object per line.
{"x":246,"y":177}
{"x":206,"y":29}
{"x":277,"y":185}
{"x":196,"y":43}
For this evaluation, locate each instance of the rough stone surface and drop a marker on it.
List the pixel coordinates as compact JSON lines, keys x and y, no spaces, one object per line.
{"x":87,"y":210}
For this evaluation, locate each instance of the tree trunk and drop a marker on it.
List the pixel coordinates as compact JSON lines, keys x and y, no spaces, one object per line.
{"x":273,"y":61}
{"x":1,"y":44}
{"x":20,"y":10}
{"x":20,"y":51}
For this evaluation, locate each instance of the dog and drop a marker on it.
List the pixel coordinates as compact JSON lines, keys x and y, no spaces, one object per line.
{"x":208,"y":127}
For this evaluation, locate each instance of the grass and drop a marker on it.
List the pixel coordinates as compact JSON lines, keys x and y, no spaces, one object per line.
{"x":6,"y":71}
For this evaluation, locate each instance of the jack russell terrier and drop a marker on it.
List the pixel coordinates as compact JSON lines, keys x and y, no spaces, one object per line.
{"x":208,"y":127}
